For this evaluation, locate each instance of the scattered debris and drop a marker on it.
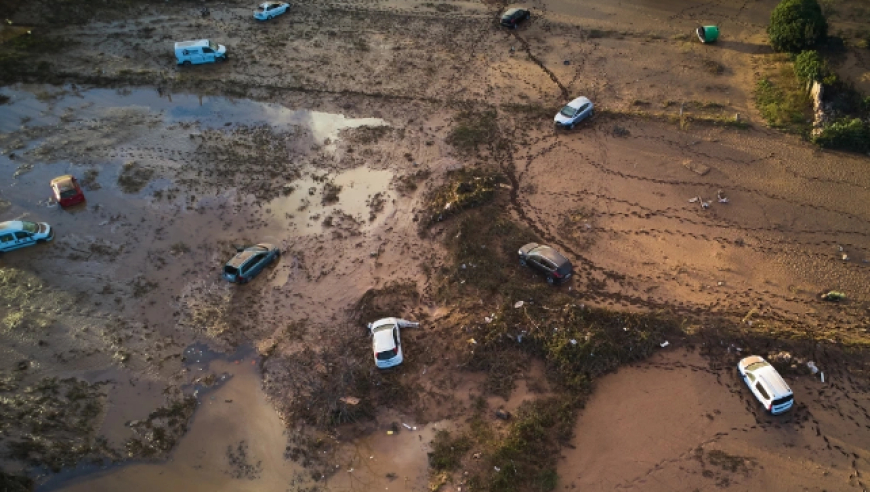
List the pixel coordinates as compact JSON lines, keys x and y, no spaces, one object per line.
{"x":834,"y":296}
{"x":813,"y":369}
{"x":502,"y":414}
{"x":349,"y":400}
{"x":721,"y":197}
{"x":518,"y":304}
{"x":697,"y":168}
{"x":664,"y":344}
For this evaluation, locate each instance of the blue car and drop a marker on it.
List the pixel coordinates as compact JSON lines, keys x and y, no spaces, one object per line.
{"x":249,"y":262}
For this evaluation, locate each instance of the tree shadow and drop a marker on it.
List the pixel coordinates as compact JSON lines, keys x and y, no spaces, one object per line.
{"x":749,"y":48}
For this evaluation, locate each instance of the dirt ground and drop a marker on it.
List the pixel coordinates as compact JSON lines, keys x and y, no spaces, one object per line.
{"x":326,"y":133}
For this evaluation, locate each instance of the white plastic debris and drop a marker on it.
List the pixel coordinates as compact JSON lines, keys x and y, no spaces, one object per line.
{"x":406,"y":426}
{"x":518,"y":304}
{"x":497,"y":468}
{"x":487,"y":319}
{"x":664,"y":344}
{"x":845,"y":257}
{"x":573,"y":342}
{"x":695,"y":199}
{"x":813,"y":368}
{"x":823,"y":377}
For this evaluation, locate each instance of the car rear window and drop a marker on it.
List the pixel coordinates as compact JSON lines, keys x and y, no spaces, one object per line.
{"x":387,"y":354}
{"x":783,"y":400}
{"x":68,"y":193}
{"x":231,"y":270}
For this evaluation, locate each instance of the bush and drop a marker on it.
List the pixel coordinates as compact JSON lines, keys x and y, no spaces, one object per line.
{"x":810,"y":66}
{"x":796,"y":25}
{"x":845,"y":134}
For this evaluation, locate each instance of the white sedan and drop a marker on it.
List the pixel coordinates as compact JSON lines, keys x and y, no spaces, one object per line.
{"x":574,"y":112}
{"x":386,"y":341}
{"x":267,"y":11}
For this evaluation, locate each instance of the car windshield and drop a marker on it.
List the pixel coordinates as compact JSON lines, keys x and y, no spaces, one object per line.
{"x":756,"y":365}
{"x":31,"y":227}
{"x":68,"y":193}
{"x":213,"y":45}
{"x":261,"y":8}
{"x":230,"y":270}
{"x":568,"y":111}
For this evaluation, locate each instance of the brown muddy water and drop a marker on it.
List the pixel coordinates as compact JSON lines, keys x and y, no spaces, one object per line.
{"x":146,"y":249}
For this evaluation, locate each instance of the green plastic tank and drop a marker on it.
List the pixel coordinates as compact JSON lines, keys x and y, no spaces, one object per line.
{"x":708,"y":34}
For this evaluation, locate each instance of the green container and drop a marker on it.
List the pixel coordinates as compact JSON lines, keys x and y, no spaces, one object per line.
{"x":708,"y":34}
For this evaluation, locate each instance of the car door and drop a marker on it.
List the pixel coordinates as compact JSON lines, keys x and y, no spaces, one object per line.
{"x":397,"y":338}
{"x":535,"y":262}
{"x":7,"y":242}
{"x":196,"y":55}
{"x":23,"y":239}
{"x":761,"y":393}
{"x":207,"y":55}
{"x":282,"y":8}
{"x":583,"y":112}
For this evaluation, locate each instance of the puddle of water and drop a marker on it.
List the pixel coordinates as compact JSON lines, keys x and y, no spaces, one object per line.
{"x":382,"y":461}
{"x":305,"y":213}
{"x":236,"y":442}
{"x":45,"y":105}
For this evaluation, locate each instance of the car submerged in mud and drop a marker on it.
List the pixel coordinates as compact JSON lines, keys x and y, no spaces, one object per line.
{"x":387,"y":342}
{"x":249,"y":262}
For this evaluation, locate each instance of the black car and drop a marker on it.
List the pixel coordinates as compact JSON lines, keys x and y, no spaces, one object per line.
{"x":512,"y":17}
{"x":250,"y":261}
{"x":550,"y":262}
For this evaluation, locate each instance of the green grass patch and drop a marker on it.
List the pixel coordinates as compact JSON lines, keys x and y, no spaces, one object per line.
{"x":463,"y":189}
{"x":474,"y":128}
{"x":448,"y":451}
{"x":782,"y":99}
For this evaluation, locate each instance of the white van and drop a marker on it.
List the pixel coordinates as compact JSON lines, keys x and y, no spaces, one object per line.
{"x":16,"y":234}
{"x":200,"y":51}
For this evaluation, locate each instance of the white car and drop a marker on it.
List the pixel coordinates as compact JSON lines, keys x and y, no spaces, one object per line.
{"x":16,"y":234}
{"x":574,"y":112}
{"x":386,"y":341}
{"x":270,"y":10}
{"x":766,"y":384}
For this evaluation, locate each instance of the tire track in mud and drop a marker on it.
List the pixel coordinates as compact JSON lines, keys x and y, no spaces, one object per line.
{"x":528,"y":49}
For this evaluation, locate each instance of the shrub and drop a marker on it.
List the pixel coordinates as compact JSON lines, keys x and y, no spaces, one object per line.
{"x":796,"y":25}
{"x":810,"y":66}
{"x":845,"y":134}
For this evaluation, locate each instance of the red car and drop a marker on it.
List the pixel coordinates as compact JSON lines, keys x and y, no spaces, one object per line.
{"x":67,"y":191}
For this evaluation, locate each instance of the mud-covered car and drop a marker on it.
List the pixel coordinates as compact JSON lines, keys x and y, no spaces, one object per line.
{"x":16,"y":234}
{"x":67,"y":191}
{"x":270,"y":10}
{"x":546,"y":260}
{"x":249,"y":262}
{"x":387,"y":342}
{"x":512,"y":17}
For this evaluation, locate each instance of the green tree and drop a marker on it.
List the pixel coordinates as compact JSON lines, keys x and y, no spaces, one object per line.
{"x":797,"y":25}
{"x":810,"y":66}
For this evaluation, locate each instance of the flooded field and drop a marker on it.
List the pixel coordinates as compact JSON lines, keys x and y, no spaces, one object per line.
{"x":399,"y":154}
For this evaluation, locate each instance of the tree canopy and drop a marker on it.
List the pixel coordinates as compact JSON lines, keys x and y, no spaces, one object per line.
{"x":797,"y":25}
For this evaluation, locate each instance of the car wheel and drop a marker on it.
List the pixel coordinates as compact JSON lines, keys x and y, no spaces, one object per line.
{"x":571,"y":126}
{"x":270,"y":17}
{"x":551,"y":280}
{"x":186,"y":63}
{"x":523,"y":262}
{"x":41,"y":241}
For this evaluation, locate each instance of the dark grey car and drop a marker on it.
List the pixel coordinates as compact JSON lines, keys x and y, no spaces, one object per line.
{"x":512,"y":17}
{"x":249,"y":262}
{"x":546,"y":260}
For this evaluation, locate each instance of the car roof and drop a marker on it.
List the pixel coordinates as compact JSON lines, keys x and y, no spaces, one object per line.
{"x":63,"y":182}
{"x":11,"y":225}
{"x":383,"y":340}
{"x":246,"y":254}
{"x":550,"y":254}
{"x":188,"y":44}
{"x":773,"y":381}
{"x":580,"y":101}
{"x":511,"y":11}
{"x":61,"y":179}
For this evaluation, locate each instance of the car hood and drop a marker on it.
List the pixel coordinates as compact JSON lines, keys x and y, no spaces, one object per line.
{"x":221,"y":49}
{"x":560,"y":118}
